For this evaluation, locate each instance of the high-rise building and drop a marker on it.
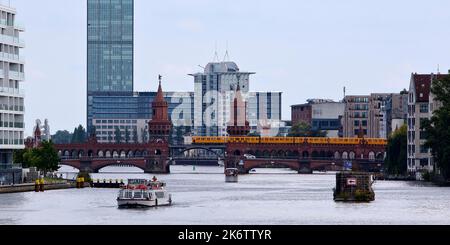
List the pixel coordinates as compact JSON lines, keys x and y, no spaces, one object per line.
{"x":214,"y":91}
{"x":110,"y":46}
{"x":12,"y":108}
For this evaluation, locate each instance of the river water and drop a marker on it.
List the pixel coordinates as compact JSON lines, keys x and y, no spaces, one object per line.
{"x":201,"y":197}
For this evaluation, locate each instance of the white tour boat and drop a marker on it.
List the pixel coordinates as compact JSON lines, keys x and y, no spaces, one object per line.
{"x":143,"y":193}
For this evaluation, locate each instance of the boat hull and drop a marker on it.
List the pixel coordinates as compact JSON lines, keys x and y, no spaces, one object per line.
{"x":142,"y":203}
{"x":231,"y":179}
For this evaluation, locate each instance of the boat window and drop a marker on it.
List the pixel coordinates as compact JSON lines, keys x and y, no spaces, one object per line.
{"x":138,"y":194}
{"x":146,"y":195}
{"x":121,"y":194}
{"x":128,"y":194}
{"x":160,"y":194}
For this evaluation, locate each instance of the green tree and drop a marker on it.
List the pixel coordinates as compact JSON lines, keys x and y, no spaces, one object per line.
{"x":18,"y":158}
{"x":45,"y":158}
{"x":62,"y":137}
{"x":118,"y":135}
{"x":303,"y":129}
{"x":127,"y":135}
{"x":79,"y":135}
{"x":396,"y":159}
{"x":437,"y":129}
{"x":135,"y":136}
{"x":49,"y":159}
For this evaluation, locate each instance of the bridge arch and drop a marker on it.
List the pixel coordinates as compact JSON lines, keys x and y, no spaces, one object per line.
{"x":138,"y":153}
{"x":380,"y":156}
{"x":100,"y":154}
{"x":251,"y":164}
{"x":315,"y":154}
{"x":66,"y":153}
{"x":237,"y":153}
{"x":219,"y":155}
{"x":115,"y":154}
{"x":372,"y":156}
{"x":337,"y":155}
{"x":281,"y":153}
{"x":352,"y":155}
{"x":345,"y":155}
{"x":101,"y":166}
{"x":305,"y":154}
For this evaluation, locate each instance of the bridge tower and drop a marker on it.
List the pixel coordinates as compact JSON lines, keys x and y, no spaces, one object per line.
{"x":160,"y":128}
{"x":238,"y":126}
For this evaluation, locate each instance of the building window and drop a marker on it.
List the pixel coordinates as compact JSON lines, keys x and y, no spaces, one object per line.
{"x":423,"y":149}
{"x":424,"y":108}
{"x":423,"y":135}
{"x":424,"y":162}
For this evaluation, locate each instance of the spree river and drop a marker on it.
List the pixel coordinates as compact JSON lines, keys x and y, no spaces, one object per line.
{"x":201,"y":197}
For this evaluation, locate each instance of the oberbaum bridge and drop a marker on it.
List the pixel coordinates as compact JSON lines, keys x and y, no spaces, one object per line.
{"x":304,"y":155}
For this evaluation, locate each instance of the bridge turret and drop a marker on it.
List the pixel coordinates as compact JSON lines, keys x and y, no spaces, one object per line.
{"x":238,"y":125}
{"x":160,"y":126}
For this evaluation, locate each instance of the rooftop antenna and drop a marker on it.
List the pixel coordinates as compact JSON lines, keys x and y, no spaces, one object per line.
{"x":345,"y":92}
{"x":216,"y":54}
{"x":438,"y":69}
{"x":227,"y":55}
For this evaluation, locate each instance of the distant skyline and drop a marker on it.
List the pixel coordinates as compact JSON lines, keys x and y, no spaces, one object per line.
{"x":306,"y":49}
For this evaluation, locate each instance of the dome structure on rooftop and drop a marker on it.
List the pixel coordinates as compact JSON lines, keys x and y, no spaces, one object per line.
{"x":221,"y":67}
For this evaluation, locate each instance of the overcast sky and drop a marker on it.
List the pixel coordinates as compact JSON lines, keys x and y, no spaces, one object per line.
{"x":306,"y":49}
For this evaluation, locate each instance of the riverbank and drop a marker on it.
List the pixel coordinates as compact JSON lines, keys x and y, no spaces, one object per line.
{"x":31,"y":187}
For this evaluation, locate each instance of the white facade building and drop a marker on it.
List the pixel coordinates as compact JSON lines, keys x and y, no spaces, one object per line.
{"x":421,"y":105}
{"x":11,"y":96}
{"x":214,"y":92}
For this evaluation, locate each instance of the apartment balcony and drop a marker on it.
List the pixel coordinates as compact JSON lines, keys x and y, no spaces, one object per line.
{"x":12,"y":58}
{"x":15,"y":41}
{"x":15,"y":75}
{"x":13,"y":109}
{"x":16,"y":25}
{"x":12,"y":91}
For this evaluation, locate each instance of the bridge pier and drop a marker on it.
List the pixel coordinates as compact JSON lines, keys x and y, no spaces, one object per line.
{"x":304,"y":167}
{"x":157,"y":166}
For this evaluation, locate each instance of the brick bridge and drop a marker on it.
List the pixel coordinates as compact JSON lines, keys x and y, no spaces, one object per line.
{"x":245,"y":153}
{"x":93,"y":156}
{"x":306,"y":157}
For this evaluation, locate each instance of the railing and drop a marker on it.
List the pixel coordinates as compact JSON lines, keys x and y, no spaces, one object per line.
{"x":14,"y":57}
{"x":12,"y":91}
{"x":15,"y":75}
{"x":11,"y":39}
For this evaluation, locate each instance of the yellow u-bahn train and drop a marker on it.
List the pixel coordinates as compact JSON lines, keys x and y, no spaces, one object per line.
{"x":200,"y":140}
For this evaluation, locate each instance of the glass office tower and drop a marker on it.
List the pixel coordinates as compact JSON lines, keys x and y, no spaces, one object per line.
{"x":109,"y":49}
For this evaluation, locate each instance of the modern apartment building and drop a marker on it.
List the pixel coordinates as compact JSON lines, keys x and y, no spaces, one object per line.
{"x":373,"y":116}
{"x":421,"y":105}
{"x":110,"y":45}
{"x":12,"y":108}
